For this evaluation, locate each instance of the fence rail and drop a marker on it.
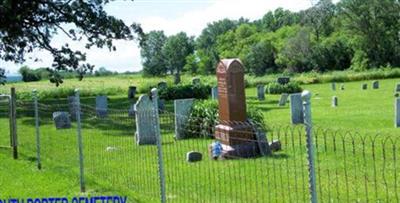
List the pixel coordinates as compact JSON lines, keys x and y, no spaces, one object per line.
{"x":349,"y":166}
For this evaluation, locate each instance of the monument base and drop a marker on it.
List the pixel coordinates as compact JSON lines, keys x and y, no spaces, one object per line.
{"x":233,"y":135}
{"x":246,"y":150}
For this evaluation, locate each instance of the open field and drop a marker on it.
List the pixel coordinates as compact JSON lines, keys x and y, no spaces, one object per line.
{"x":349,"y":168}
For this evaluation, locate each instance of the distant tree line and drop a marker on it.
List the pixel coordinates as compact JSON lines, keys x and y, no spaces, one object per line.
{"x":30,"y":75}
{"x":352,"y":34}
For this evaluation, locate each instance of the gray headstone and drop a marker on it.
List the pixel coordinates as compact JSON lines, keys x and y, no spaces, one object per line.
{"x":62,"y":120}
{"x":182,"y":111}
{"x":72,"y":102}
{"x":283,"y":80}
{"x":261,"y":92}
{"x":375,"y":85}
{"x":296,"y":108}
{"x":196,"y":81}
{"x":162,"y":85}
{"x":283,"y":99}
{"x":131,"y":111}
{"x":145,"y":131}
{"x":193,"y":156}
{"x":101,"y":106}
{"x":398,"y":87}
{"x":131,"y":92}
{"x":397,"y":113}
{"x":161,"y":105}
{"x":342,"y":86}
{"x":334,"y":101}
{"x":334,"y":86}
{"x":214,"y":92}
{"x":364,"y":86}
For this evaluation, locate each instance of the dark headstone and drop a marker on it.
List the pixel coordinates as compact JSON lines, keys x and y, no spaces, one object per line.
{"x":334,"y":101}
{"x":275,"y":145}
{"x":375,"y":85}
{"x":397,"y":113}
{"x":131,"y":92}
{"x":333,"y":86}
{"x":62,"y":120}
{"x":364,"y":86}
{"x":161,"y":105}
{"x":263,"y":143}
{"x":342,"y":86}
{"x":261,"y":92}
{"x":162,"y":85}
{"x":283,"y":80}
{"x":193,"y":156}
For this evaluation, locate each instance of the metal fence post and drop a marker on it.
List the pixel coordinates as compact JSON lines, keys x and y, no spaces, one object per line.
{"x":80,"y":144}
{"x":306,"y":96}
{"x":35,"y":101}
{"x":159,"y":145}
{"x":13,"y":123}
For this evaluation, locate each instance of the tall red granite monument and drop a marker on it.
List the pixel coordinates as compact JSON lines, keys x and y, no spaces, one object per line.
{"x":233,"y":129}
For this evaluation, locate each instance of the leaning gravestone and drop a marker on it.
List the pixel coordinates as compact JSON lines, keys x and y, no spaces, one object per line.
{"x":334,"y":101}
{"x":196,"y":81}
{"x":162,"y":85}
{"x":283,"y":80}
{"x":214,"y":92}
{"x":101,"y":106}
{"x":261,"y":92}
{"x":131,"y":92}
{"x":296,"y":109}
{"x":62,"y":120}
{"x":364,"y":86}
{"x":333,"y":86}
{"x":283,"y":99}
{"x":375,"y":85}
{"x":145,"y":130}
{"x":182,"y":111}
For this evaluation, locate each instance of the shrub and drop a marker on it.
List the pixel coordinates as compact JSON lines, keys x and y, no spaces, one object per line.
{"x":204,"y":116}
{"x":276,"y":88}
{"x":185,"y":92}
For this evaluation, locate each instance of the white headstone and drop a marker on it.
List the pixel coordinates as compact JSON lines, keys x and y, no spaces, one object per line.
{"x":214,"y":92}
{"x":296,"y":109}
{"x":101,"y":106}
{"x":182,"y":112}
{"x":145,"y":131}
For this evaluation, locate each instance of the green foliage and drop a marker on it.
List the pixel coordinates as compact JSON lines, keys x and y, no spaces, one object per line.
{"x":103,"y":72}
{"x":2,"y":77}
{"x":29,"y":75}
{"x":29,"y":25}
{"x":261,"y":58}
{"x":276,"y":88}
{"x":185,"y":92}
{"x":175,"y":51}
{"x":204,"y":116}
{"x":151,"y":53}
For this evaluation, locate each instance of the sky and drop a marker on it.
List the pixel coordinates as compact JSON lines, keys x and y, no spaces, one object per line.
{"x":171,"y":16}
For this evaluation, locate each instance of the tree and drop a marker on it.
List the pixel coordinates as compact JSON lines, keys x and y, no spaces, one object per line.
{"x":2,"y":76}
{"x":376,"y":25}
{"x":175,"y":50}
{"x":319,"y":18}
{"x":29,"y":75}
{"x":207,"y":42}
{"x":191,"y":64}
{"x":29,"y":25}
{"x":261,"y":58}
{"x":297,"y":53}
{"x":152,"y":56}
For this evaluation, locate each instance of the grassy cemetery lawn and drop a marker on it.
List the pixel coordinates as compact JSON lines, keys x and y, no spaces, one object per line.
{"x":114,"y":164}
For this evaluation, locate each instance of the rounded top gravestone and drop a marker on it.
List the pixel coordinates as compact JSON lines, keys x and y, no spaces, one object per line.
{"x":231,"y":93}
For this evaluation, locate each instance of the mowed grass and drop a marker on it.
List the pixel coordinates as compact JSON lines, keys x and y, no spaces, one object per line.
{"x":348,"y":169}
